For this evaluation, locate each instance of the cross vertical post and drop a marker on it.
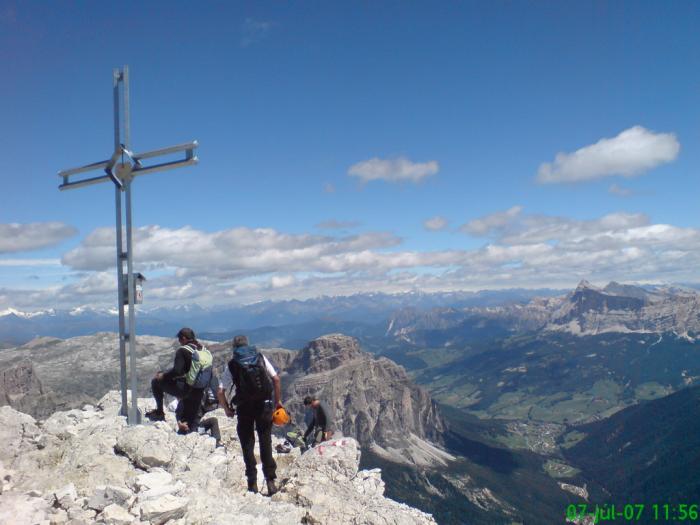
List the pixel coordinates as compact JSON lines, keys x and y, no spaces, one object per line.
{"x":120,"y":253}
{"x":121,"y":168}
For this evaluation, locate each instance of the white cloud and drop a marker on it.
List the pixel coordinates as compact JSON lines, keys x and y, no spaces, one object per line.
{"x":328,"y":188}
{"x":247,"y":265}
{"x":234,"y":252}
{"x":435,"y":224}
{"x":492,"y":222}
{"x":30,"y":262}
{"x":393,"y":170}
{"x":33,"y":236}
{"x":630,"y":153}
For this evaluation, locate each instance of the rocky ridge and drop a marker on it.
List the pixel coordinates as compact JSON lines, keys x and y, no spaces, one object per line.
{"x":586,"y":310}
{"x":372,"y":399}
{"x":87,"y":466}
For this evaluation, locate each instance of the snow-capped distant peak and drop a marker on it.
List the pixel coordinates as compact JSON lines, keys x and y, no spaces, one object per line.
{"x":87,"y":310}
{"x":26,"y":315}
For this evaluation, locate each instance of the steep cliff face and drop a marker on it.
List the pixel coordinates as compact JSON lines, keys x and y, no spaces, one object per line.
{"x":17,"y":382}
{"x":589,"y":310}
{"x":372,"y":400}
{"x":21,"y":389}
{"x":586,"y":310}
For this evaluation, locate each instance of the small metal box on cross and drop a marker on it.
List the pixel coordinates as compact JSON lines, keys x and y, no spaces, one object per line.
{"x":121,"y":168}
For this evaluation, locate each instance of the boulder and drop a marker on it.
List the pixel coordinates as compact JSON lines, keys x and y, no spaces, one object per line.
{"x":146,"y":446}
{"x":65,"y":496}
{"x":349,"y":496}
{"x":21,"y":509}
{"x":163,"y":509}
{"x":16,"y":431}
{"x":114,"y":514}
{"x":91,"y":470}
{"x":105,"y":496}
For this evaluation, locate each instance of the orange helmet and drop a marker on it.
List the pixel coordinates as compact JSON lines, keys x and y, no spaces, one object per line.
{"x":280,"y":417}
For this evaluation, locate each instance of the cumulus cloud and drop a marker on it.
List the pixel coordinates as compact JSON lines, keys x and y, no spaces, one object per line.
{"x":233,"y":252}
{"x":30,"y":262}
{"x":435,"y":224}
{"x":630,"y":153}
{"x":492,"y":222}
{"x":244,"y":265}
{"x":33,"y":236}
{"x":393,"y":170}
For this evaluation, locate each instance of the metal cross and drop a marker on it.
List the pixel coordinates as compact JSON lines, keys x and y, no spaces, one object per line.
{"x":121,"y":168}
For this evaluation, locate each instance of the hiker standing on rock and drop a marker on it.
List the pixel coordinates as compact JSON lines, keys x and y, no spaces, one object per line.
{"x":186,"y":380}
{"x":256,"y":382}
{"x":320,"y":421}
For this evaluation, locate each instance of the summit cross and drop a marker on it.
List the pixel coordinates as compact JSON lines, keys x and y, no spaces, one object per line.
{"x":120,"y":169}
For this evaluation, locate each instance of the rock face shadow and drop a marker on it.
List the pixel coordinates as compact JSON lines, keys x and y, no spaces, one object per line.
{"x":499,"y":459}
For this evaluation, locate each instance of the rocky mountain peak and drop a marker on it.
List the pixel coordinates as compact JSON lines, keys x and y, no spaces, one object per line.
{"x":626,"y":290}
{"x":87,"y":466}
{"x":371,"y":399}
{"x":585,"y":285}
{"x":327,"y":353}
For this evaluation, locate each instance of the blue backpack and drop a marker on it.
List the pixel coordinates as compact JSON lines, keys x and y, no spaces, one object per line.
{"x":250,"y":375}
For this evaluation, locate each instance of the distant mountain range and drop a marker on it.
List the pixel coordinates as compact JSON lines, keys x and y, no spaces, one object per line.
{"x":219,"y":323}
{"x":587,"y":310}
{"x":545,"y":394}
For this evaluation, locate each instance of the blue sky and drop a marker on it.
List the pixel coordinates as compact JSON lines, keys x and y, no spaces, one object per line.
{"x":330,"y":133}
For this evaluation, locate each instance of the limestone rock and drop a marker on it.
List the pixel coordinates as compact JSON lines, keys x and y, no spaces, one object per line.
{"x":372,"y":400}
{"x":93,"y":462}
{"x":21,"y":509}
{"x":333,"y":466}
{"x":146,"y":446}
{"x":65,"y":496}
{"x":20,"y":386}
{"x":79,"y":514}
{"x":114,"y":514}
{"x":58,"y":517}
{"x":163,"y":509}
{"x":153,"y":479}
{"x":369,"y":482}
{"x":108,"y":495}
{"x":16,"y":430}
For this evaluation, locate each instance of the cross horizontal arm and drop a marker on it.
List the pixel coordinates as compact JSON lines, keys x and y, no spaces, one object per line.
{"x":90,"y":167}
{"x":189,"y":147}
{"x":84,"y":182}
{"x":136,"y":169}
{"x":164,"y":166}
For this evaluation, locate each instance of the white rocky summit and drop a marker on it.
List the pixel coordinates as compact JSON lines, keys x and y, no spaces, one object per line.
{"x":87,"y":466}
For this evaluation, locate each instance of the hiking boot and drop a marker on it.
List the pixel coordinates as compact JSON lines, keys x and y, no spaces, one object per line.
{"x":271,"y":487}
{"x":252,"y":486}
{"x":155,"y":415}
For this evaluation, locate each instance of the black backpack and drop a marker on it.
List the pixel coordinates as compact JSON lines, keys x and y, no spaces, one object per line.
{"x":209,"y":399}
{"x":250,"y":375}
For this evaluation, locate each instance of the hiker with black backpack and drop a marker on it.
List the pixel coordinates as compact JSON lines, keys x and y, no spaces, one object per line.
{"x":256,"y":382}
{"x":187,"y":379}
